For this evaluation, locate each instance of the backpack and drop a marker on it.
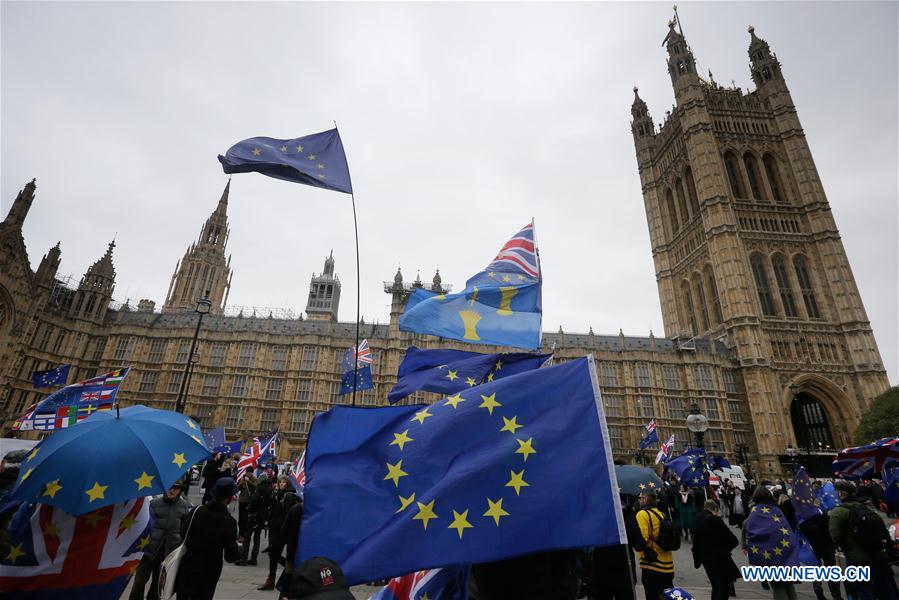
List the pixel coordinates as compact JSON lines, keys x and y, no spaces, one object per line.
{"x":866,"y":528}
{"x":669,"y":534}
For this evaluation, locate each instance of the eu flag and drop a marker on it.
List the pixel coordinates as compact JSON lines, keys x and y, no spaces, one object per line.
{"x":317,"y":160}
{"x":891,"y":487}
{"x":690,"y":467}
{"x":805,"y":504}
{"x":770,"y":540}
{"x":51,"y":377}
{"x":501,"y":305}
{"x":448,"y":371}
{"x":214,"y":438}
{"x":362,"y":377}
{"x":514,"y":466}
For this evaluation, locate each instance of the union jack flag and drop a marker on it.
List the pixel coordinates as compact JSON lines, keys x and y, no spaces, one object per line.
{"x":88,"y":396}
{"x":652,"y":436}
{"x":665,"y":450}
{"x":298,"y":473}
{"x":518,"y":255}
{"x":448,"y":583}
{"x":258,"y":451}
{"x":362,"y":356}
{"x":55,"y":555}
{"x":651,"y":426}
{"x":870,"y":460}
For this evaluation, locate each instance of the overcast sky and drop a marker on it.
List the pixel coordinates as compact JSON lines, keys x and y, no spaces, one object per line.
{"x":461,"y":122}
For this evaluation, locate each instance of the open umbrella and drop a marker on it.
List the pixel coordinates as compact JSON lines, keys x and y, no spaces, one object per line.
{"x":633,"y":479}
{"x":109,"y":458}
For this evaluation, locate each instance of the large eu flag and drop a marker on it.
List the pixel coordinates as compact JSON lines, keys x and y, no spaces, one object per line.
{"x":448,"y":371}
{"x":317,"y":160}
{"x":501,"y":305}
{"x":511,"y":467}
{"x":691,"y":468}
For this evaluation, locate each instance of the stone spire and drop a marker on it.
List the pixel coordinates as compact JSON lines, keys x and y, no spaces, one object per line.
{"x":21,"y":205}
{"x":324,"y":293}
{"x":95,"y":290}
{"x":681,"y":64}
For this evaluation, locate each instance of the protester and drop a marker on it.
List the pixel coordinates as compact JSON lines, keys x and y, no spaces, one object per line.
{"x":166,"y":513}
{"x":277,"y":515}
{"x":320,"y":579}
{"x":656,"y":563}
{"x":859,"y":531}
{"x":713,"y":542}
{"x":211,"y":474}
{"x":686,"y":510}
{"x":613,"y":572}
{"x":246,"y":488}
{"x":258,"y":510}
{"x":816,"y":531}
{"x":541,"y":576}
{"x":209,"y":532}
{"x":291,"y":533}
{"x":763,"y":499}
{"x":738,"y":509}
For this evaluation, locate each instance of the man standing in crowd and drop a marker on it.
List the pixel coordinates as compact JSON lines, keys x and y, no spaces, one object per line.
{"x":276,"y":541}
{"x":166,"y":513}
{"x":656,"y":563}
{"x":246,"y":487}
{"x":712,"y":545}
{"x":258,"y":510}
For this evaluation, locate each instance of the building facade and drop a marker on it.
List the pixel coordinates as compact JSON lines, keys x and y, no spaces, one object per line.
{"x":765,"y":331}
{"x":747,"y":252}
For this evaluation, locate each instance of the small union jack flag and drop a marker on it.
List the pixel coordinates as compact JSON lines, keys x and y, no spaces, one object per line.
{"x":519,"y":254}
{"x":363,"y":354}
{"x":665,"y":450}
{"x":298,"y":473}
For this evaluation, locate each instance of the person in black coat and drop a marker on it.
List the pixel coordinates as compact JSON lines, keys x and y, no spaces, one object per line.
{"x":817,"y":531}
{"x":259,"y":511}
{"x":541,"y":576}
{"x":282,"y":499}
{"x":209,"y":532}
{"x":211,"y":473}
{"x":613,"y":570}
{"x":713,"y":542}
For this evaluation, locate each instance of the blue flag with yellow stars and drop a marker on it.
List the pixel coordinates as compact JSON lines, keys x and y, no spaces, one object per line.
{"x":827,"y":497}
{"x":770,"y":541}
{"x":448,"y":371}
{"x":891,"y":487}
{"x":501,"y":305}
{"x":690,"y":467}
{"x":317,"y":160}
{"x":510,"y":467}
{"x":803,"y":498}
{"x":51,"y":377}
{"x":363,"y":380}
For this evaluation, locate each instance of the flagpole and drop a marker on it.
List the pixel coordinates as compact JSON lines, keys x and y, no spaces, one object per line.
{"x":358,"y":284}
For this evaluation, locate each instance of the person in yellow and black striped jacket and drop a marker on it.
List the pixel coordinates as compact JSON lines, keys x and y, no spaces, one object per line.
{"x":656,"y":564}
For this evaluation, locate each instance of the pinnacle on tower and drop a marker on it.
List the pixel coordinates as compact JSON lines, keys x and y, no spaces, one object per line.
{"x":642,"y":125}
{"x":765,"y":67}
{"x":681,"y":64}
{"x":21,"y":205}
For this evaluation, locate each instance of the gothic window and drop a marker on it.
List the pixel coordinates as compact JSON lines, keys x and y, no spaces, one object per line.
{"x":672,"y":379}
{"x":269,"y":419}
{"x":805,"y":287}
{"x":733,"y":175}
{"x":810,"y":423}
{"x":148,"y":382}
{"x":713,"y":292}
{"x":691,"y":191}
{"x":310,"y":356}
{"x":676,"y":410}
{"x":672,"y":212}
{"x":688,"y":305}
{"x":710,"y":408}
{"x":783,"y":285}
{"x":239,"y":386}
{"x":279,"y":358}
{"x":183,"y":351}
{"x":703,"y":305}
{"x":211,"y":386}
{"x":730,"y":383}
{"x":612,"y":404}
{"x":234,"y":417}
{"x":247,"y":355}
{"x":752,"y":171}
{"x":123,"y":348}
{"x":766,"y":73}
{"x":616,"y":438}
{"x":157,"y":351}
{"x":304,"y":390}
{"x":609,"y":375}
{"x":641,"y":375}
{"x":274,"y":389}
{"x":774,"y":180}
{"x":57,"y":345}
{"x":217,"y":355}
{"x":704,"y":378}
{"x":644,"y":407}
{"x":91,"y":305}
{"x":682,"y":201}
{"x":761,"y":285}
{"x":735,"y":411}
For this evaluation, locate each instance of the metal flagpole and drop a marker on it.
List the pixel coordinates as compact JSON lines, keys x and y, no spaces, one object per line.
{"x":358,"y":284}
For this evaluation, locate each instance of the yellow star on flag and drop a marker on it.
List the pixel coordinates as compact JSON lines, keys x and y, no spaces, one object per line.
{"x":489,"y":402}
{"x":495,"y":510}
{"x":405,"y":502}
{"x":471,"y":382}
{"x":499,"y":365}
{"x":778,"y":551}
{"x":93,"y":518}
{"x":766,"y":554}
{"x":190,"y":424}
{"x":642,"y":486}
{"x":97,"y":492}
{"x":51,"y":488}
{"x":143,"y":543}
{"x":400,"y":439}
{"x":394,"y":472}
{"x":33,"y":453}
{"x":421,"y":415}
{"x":785,"y":544}
{"x":511,"y":425}
{"x":652,"y":484}
{"x":179,"y":459}
{"x":525,"y":448}
{"x":425,"y":513}
{"x":460,"y":522}
{"x":517,"y":481}
{"x":283,"y":148}
{"x":489,"y":376}
{"x":754,"y":549}
{"x":299,"y":149}
{"x":127,"y":523}
{"x":51,"y":530}
{"x":776,"y":519}
{"x":256,"y":151}
{"x":785,"y":531}
{"x":506,"y":278}
{"x":320,"y":166}
{"x":196,"y":439}
{"x":27,"y":473}
{"x":452,"y":375}
{"x":312,"y":157}
{"x":14,"y":553}
{"x":144,"y":481}
{"x":454,"y":400}
{"x":766,"y":510}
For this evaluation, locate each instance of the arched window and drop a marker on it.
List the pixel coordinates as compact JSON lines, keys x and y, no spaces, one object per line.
{"x":682,"y":201}
{"x":774,"y":180}
{"x":713,"y":292}
{"x":810,"y":423}
{"x":672,"y":212}
{"x":752,"y":171}
{"x":691,"y":191}
{"x":783,"y":285}
{"x":91,"y":305}
{"x":733,"y":175}
{"x":703,"y":304}
{"x":805,"y":287}
{"x":688,"y":305}
{"x":761,"y":285}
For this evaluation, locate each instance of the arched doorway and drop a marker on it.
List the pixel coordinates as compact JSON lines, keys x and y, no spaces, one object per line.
{"x":810,"y":423}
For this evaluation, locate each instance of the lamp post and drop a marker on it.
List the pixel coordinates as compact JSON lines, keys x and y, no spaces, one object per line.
{"x":697,"y":423}
{"x":203,"y":306}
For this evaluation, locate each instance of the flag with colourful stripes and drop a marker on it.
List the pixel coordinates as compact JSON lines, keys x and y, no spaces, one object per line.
{"x":74,"y":403}
{"x":297,"y":473}
{"x":870,"y":460}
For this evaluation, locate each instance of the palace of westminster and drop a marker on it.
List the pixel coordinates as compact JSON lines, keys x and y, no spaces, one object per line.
{"x":765,"y":328}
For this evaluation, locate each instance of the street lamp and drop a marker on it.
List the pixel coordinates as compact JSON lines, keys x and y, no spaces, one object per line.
{"x":203,"y":306}
{"x":697,"y":423}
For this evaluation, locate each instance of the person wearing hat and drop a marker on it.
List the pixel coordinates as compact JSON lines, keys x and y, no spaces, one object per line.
{"x":319,"y":578}
{"x":166,"y":512}
{"x":209,"y":532}
{"x":859,"y":531}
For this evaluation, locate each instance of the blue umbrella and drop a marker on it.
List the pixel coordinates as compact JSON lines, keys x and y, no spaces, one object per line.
{"x":633,"y":479}
{"x":109,"y":458}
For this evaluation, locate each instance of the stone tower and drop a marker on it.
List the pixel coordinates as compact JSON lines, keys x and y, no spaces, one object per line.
{"x":324,"y":293}
{"x":746,"y":250}
{"x":94,"y":292}
{"x":203,"y":269}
